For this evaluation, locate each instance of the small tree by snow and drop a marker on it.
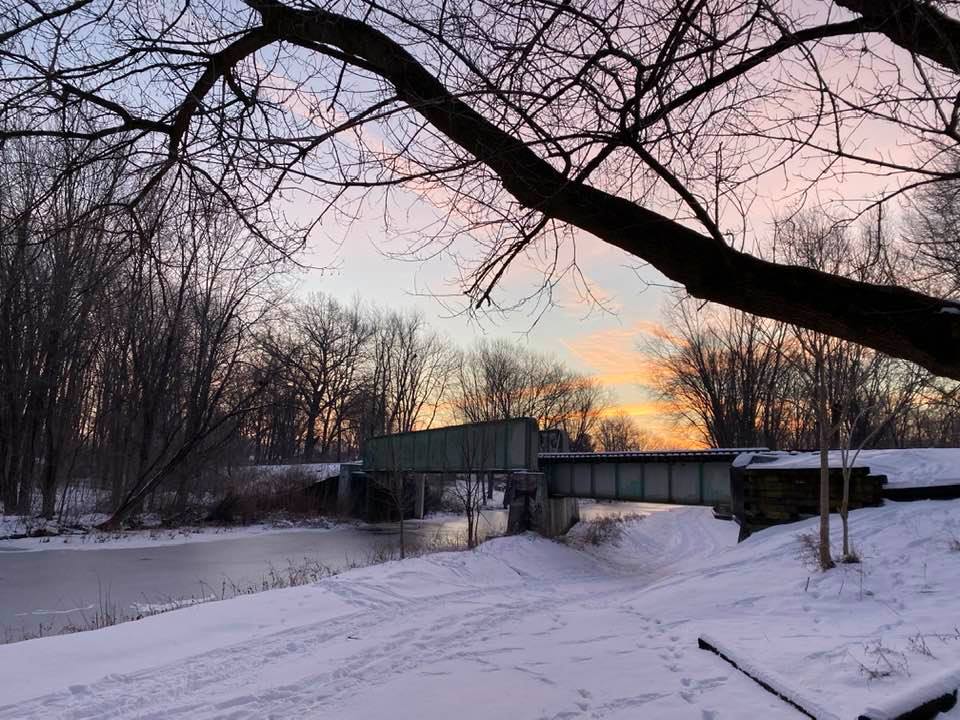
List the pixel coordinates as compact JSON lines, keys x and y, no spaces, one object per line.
{"x":394,"y":487}
{"x":469,"y":491}
{"x":468,"y":486}
{"x":879,"y":386}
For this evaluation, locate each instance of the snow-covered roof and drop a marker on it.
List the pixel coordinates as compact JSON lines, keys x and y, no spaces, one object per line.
{"x":913,"y":467}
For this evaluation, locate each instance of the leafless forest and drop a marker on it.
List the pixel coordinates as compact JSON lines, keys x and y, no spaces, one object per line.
{"x":147,"y":150}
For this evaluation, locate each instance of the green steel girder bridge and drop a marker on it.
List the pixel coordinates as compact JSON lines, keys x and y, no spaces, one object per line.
{"x":688,"y":477}
{"x":681,"y":477}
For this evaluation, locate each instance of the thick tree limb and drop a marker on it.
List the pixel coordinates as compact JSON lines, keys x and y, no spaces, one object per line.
{"x":913,"y":25}
{"x":894,"y":320}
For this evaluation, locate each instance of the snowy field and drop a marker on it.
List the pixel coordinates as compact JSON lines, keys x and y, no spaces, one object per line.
{"x":529,"y":628}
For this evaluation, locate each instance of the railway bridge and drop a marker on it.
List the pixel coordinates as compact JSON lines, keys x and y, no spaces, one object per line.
{"x":545,"y":485}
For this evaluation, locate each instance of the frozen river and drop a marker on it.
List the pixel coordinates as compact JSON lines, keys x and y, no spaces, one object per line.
{"x":45,"y":590}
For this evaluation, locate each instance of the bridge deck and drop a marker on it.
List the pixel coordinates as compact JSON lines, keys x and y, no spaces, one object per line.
{"x":688,"y":477}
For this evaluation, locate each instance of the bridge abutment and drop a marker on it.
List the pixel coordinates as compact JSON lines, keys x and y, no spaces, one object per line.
{"x":532,"y":508}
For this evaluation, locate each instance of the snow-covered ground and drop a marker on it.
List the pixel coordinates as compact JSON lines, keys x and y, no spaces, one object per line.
{"x":913,"y":467}
{"x":158,"y":537}
{"x":528,"y":628}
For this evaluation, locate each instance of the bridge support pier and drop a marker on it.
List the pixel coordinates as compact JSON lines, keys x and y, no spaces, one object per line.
{"x":532,"y":508}
{"x":419,"y":495}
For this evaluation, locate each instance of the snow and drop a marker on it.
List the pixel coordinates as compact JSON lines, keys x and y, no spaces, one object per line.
{"x":315,"y":471}
{"x":856,"y":636}
{"x":914,"y":467}
{"x":23,"y":524}
{"x":154,"y":537}
{"x":524,"y":627}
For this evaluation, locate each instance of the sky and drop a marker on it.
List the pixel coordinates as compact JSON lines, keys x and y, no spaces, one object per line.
{"x":602,"y":337}
{"x":598,"y":320}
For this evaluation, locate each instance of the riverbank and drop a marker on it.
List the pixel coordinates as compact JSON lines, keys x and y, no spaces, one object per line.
{"x":129,"y":575}
{"x":49,"y":588}
{"x":525,"y":627}
{"x":85,"y":536}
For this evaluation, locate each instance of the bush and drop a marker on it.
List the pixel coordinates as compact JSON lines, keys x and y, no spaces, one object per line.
{"x":809,"y":552}
{"x":602,"y":530}
{"x":225,"y":510}
{"x":256,"y":497}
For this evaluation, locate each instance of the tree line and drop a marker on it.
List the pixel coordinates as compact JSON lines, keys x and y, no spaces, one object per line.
{"x":744,"y":381}
{"x":148,"y":354}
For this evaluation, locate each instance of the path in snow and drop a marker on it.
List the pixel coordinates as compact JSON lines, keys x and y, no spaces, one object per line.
{"x":523,"y":628}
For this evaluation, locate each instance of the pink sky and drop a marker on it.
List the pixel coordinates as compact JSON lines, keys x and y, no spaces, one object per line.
{"x":605,"y":340}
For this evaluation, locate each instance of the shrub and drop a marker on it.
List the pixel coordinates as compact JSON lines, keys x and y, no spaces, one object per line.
{"x":601,"y":531}
{"x":225,"y":509}
{"x":809,"y":551}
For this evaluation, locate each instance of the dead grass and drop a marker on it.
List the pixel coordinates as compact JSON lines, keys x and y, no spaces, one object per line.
{"x":882,"y":662}
{"x":852,"y":557}
{"x":809,"y":551}
{"x":601,"y":531}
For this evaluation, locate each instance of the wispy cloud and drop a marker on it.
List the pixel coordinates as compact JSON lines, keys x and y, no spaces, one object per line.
{"x":615,"y":355}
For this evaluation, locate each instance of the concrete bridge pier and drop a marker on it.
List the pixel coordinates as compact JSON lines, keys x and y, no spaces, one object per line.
{"x":532,"y":508}
{"x":419,"y":495}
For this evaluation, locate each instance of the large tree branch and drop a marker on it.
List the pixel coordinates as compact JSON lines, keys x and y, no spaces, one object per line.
{"x":913,"y":25}
{"x":895,"y":320}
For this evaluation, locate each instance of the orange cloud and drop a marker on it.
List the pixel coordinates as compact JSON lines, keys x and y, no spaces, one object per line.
{"x":616,"y":358}
{"x":658,"y":418}
{"x":614,"y":355}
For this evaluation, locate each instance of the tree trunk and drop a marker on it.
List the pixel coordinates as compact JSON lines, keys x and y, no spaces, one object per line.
{"x":403,"y":548}
{"x":844,"y":512}
{"x":826,"y":562}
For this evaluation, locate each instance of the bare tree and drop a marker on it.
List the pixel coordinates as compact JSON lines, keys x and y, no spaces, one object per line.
{"x":59,"y":250}
{"x":878,"y":387}
{"x":410,"y":373}
{"x":500,"y":380}
{"x":725,"y":374}
{"x":193,"y":304}
{"x":647,"y":124}
{"x":620,"y":432}
{"x":395,"y":486}
{"x":320,"y":354}
{"x":816,"y":348}
{"x":468,"y":486}
{"x":837,"y":370}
